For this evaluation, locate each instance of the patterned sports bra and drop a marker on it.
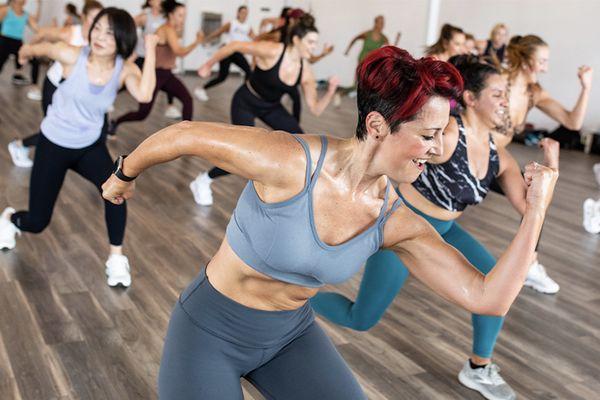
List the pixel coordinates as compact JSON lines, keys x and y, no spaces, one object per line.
{"x":451,"y":185}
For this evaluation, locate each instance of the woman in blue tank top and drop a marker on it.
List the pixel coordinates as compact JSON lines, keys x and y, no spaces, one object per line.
{"x":71,"y":133}
{"x":462,"y":176}
{"x":314,"y":209}
{"x":14,"y":19}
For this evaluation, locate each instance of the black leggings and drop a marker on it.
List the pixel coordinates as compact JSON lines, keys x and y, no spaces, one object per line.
{"x":495,"y":187}
{"x":140,"y":63}
{"x":237,"y":59}
{"x":48,"y":90}
{"x":50,"y":166}
{"x":168,"y":83}
{"x":10,"y":46}
{"x":246,"y":107}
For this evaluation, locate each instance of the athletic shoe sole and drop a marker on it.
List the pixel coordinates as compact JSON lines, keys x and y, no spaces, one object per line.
{"x":5,"y":246}
{"x":34,"y":97}
{"x":13,"y":155}
{"x":122,"y":281}
{"x":474,"y":386}
{"x":538,"y":288}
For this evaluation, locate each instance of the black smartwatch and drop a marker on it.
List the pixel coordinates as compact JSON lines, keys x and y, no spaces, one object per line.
{"x":119,"y":170}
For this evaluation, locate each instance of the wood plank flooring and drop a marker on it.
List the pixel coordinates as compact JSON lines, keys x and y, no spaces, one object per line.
{"x":64,"y":334}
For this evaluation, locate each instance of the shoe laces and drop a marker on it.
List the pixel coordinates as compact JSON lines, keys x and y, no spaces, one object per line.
{"x":118,"y":265}
{"x":539,"y":270}
{"x":492,"y":372}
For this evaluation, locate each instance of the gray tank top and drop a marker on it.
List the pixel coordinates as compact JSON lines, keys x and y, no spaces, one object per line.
{"x":151,"y":25}
{"x":76,"y":115}
{"x":280,"y":239}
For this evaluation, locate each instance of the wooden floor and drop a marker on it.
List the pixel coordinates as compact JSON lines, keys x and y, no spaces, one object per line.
{"x":66,"y":335}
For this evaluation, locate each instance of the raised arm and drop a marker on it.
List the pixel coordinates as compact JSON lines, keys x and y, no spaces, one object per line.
{"x":34,"y":18}
{"x":570,"y":119}
{"x":272,"y":21}
{"x":269,"y":158}
{"x":510,"y":178}
{"x":60,"y":51}
{"x":511,"y":181}
{"x":260,"y":49}
{"x":218,"y":32}
{"x":53,"y":34}
{"x":140,"y":19}
{"x":447,"y":272}
{"x":178,"y":49}
{"x":315,"y":104}
{"x":270,"y":36}
{"x":141,"y":84}
{"x":327,"y":49}
{"x":354,"y":40}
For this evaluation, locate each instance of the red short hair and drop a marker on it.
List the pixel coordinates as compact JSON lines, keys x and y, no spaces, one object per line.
{"x":393,"y":83}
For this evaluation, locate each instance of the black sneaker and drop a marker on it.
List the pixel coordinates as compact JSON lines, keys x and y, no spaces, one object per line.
{"x":20,"y":80}
{"x":111,"y":129}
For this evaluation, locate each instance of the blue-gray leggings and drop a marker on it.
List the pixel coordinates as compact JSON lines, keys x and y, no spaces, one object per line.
{"x":384,"y":276}
{"x":212,"y":342}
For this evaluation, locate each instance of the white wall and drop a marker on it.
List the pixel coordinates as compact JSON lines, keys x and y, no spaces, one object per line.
{"x":258,"y":9}
{"x":340,"y":20}
{"x":570,"y":28}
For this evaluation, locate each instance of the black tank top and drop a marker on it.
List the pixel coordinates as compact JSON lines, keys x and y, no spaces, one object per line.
{"x":451,"y":185}
{"x":490,"y":51}
{"x":267,"y":84}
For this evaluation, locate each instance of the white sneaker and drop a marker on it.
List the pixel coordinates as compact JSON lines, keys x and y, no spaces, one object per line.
{"x":200,"y":188}
{"x":200,"y":94}
{"x":117,"y":270}
{"x":596,"y":169}
{"x":34,"y":94}
{"x":8,"y":230}
{"x":486,"y":381}
{"x":173,"y":112}
{"x":538,"y":279}
{"x":591,"y":216}
{"x":19,"y":155}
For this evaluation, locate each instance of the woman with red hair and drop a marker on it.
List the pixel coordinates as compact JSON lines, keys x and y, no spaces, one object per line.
{"x":459,"y":178}
{"x":314,"y":209}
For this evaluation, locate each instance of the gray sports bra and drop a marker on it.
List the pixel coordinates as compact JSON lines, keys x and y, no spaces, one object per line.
{"x":280,"y":239}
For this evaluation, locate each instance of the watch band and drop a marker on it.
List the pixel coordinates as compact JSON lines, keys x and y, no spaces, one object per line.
{"x":119,"y":170}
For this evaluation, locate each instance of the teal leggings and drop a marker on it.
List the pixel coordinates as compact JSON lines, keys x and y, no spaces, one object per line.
{"x":384,"y":277}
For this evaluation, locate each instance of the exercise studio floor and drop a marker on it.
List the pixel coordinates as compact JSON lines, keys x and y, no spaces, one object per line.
{"x":64,"y":334}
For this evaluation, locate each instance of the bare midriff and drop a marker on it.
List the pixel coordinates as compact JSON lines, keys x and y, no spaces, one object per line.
{"x":233,"y":278}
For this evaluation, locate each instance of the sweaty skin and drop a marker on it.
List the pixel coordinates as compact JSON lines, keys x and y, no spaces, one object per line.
{"x":347,"y":199}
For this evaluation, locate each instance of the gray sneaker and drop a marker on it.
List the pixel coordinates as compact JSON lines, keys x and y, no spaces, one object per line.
{"x":486,"y":381}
